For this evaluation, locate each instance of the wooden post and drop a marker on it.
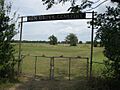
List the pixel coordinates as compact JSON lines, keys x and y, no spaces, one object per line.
{"x":53,"y":69}
{"x":35,"y":64}
{"x":91,"y":54}
{"x":87,"y":66}
{"x":50,"y":67}
{"x":21,"y":63}
{"x":69,"y":67}
{"x":19,"y":58}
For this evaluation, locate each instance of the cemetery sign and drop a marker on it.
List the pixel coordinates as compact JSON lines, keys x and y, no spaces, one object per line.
{"x":64,"y":16}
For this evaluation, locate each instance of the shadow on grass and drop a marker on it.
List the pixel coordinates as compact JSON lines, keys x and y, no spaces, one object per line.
{"x":32,"y":83}
{"x":6,"y":83}
{"x":42,"y":84}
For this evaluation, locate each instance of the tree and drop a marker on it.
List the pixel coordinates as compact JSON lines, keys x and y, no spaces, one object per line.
{"x":118,"y":1}
{"x":108,"y":25}
{"x":7,"y":31}
{"x":72,"y":39}
{"x":88,"y":42}
{"x":53,"y":40}
{"x":75,"y":6}
{"x":80,"y":42}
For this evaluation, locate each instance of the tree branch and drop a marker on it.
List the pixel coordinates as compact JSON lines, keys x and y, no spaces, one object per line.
{"x":97,"y":5}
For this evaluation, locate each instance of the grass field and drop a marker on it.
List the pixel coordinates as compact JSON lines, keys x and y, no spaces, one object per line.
{"x":78,"y":66}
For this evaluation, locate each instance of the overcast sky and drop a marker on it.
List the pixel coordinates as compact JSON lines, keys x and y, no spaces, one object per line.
{"x":61,"y":28}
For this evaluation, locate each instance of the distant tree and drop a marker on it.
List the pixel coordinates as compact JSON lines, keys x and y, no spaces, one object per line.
{"x":88,"y":42}
{"x":7,"y":31}
{"x":59,"y":42}
{"x":80,"y":42}
{"x":53,"y":40}
{"x":63,"y":42}
{"x":72,"y":39}
{"x":95,"y":43}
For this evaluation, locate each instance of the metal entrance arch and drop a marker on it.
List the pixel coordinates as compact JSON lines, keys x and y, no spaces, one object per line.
{"x":65,"y":16}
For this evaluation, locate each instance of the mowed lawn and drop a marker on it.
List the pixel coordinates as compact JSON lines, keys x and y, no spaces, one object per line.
{"x":78,"y":66}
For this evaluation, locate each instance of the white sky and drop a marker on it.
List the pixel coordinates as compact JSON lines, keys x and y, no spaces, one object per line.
{"x":42,"y":30}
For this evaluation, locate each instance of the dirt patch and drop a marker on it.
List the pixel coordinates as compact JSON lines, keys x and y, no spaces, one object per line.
{"x":31,"y":83}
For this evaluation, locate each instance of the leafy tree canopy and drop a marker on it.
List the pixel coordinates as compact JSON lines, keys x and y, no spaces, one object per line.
{"x":53,"y":40}
{"x":71,"y":39}
{"x":108,"y":25}
{"x":118,"y":1}
{"x":7,"y":31}
{"x":76,"y":5}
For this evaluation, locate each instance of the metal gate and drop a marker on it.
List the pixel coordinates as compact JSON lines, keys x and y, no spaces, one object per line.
{"x":56,"y":67}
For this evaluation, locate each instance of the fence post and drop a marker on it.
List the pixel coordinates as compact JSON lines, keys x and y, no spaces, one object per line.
{"x":22,"y":57}
{"x":69,"y":67}
{"x":35,"y":64}
{"x":87,"y":66}
{"x":51,"y":68}
{"x":19,"y":57}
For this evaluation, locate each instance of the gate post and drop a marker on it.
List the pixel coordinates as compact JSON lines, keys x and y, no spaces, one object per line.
{"x":91,"y":54}
{"x":87,"y":66}
{"x":20,"y":56}
{"x":35,"y":64}
{"x":69,"y":67}
{"x":51,"y":68}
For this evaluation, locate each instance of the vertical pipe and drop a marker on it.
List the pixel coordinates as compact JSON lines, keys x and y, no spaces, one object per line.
{"x":69,"y":67}
{"x":52,"y":68}
{"x":91,"y":54}
{"x":35,"y":64}
{"x":19,"y":58}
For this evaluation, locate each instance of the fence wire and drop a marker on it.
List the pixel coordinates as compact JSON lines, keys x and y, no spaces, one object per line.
{"x":58,"y":68}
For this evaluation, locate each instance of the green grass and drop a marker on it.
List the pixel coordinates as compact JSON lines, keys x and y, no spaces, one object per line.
{"x":78,"y":67}
{"x":4,"y":86}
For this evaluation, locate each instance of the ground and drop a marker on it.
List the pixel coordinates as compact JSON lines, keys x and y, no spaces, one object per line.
{"x":32,"y":83}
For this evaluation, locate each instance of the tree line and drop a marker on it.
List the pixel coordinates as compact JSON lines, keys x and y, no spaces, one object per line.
{"x":70,"y":39}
